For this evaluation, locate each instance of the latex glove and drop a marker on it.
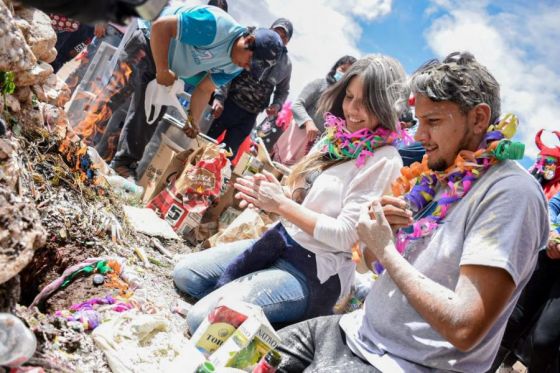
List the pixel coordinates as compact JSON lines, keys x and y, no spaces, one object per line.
{"x":158,"y":95}
{"x":110,"y":224}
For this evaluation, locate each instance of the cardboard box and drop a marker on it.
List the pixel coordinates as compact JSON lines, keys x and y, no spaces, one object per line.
{"x":167,"y":164}
{"x":248,"y":343}
{"x":164,"y":163}
{"x":249,"y":164}
{"x":227,"y":199}
{"x":184,"y":202}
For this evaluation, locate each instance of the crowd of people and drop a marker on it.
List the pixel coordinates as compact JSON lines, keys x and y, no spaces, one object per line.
{"x":464,"y":242}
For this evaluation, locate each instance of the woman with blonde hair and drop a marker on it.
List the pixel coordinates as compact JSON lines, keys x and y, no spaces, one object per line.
{"x":300,"y":267}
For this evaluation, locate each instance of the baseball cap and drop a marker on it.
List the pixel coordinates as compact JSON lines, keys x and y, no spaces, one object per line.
{"x":267,"y":49}
{"x":285,"y":24}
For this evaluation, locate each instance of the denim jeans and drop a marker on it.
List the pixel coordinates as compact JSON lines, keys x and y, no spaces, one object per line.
{"x":280,"y":290}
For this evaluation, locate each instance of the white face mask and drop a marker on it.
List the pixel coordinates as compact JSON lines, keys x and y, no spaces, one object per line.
{"x":338,"y":75}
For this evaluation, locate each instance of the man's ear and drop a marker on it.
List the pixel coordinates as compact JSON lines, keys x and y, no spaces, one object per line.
{"x":481,"y":114}
{"x":249,"y":40}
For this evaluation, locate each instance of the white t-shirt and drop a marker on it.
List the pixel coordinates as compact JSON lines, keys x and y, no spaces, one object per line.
{"x":502,"y":222}
{"x":337,"y":195}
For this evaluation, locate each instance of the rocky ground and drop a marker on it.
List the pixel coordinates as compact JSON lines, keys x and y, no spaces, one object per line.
{"x":56,"y":212}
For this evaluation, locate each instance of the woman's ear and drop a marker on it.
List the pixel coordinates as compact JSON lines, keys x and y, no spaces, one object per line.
{"x":481,"y":117}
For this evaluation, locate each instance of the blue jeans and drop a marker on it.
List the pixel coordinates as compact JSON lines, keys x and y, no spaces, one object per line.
{"x":280,"y":290}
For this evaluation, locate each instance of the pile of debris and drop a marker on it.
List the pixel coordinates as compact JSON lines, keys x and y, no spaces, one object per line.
{"x":58,"y":214}
{"x":71,"y":251}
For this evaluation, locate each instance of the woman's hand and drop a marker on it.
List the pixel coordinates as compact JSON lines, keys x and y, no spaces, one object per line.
{"x":262,"y":191}
{"x":272,"y":110}
{"x":553,"y":248}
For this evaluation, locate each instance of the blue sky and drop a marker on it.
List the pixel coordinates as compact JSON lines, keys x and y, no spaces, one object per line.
{"x":517,"y":40}
{"x":399,"y":34}
{"x":404,"y":34}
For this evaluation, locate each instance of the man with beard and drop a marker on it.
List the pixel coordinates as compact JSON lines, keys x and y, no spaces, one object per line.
{"x":453,"y":251}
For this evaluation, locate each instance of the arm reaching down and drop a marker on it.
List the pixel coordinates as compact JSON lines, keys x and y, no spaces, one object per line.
{"x":200,"y":98}
{"x":163,"y":30}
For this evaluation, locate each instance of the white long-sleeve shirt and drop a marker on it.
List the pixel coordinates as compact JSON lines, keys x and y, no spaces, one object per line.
{"x":337,"y":195}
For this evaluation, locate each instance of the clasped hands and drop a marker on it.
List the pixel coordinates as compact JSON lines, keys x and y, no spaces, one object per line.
{"x":377,"y":224}
{"x":262,"y":191}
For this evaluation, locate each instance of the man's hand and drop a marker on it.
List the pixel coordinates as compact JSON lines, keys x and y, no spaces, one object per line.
{"x":396,"y":212}
{"x":272,"y":110}
{"x":262,"y":190}
{"x":374,"y":231}
{"x":165,"y":77}
{"x":217,"y":108}
{"x":311,"y":131}
{"x":553,"y":248}
{"x":190,"y":128}
{"x":100,"y":29}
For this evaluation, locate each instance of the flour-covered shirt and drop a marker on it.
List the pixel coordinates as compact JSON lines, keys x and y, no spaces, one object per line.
{"x":502,"y":222}
{"x":337,"y":195}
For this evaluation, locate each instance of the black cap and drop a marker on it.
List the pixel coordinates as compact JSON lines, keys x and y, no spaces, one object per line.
{"x":267,"y":49}
{"x":285,"y":24}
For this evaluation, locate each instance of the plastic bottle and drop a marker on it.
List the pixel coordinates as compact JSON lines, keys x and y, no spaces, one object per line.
{"x":17,"y":342}
{"x":184,"y":99}
{"x":206,"y":367}
{"x":269,"y":363}
{"x":120,"y":184}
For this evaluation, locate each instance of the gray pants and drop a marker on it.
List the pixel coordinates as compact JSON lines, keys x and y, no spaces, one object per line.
{"x":319,"y":345}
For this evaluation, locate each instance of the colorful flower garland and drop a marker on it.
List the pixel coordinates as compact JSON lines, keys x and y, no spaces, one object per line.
{"x":418,"y":183}
{"x":339,"y":143}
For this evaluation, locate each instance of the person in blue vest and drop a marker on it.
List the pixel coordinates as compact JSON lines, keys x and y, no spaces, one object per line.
{"x":237,"y":104}
{"x":202,"y":45}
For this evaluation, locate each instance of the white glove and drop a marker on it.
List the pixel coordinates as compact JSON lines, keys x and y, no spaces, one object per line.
{"x":158,"y":95}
